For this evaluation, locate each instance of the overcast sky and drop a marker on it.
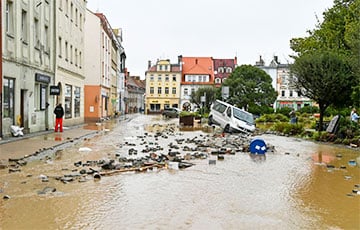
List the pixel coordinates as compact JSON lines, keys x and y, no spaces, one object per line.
{"x":164,"y":29}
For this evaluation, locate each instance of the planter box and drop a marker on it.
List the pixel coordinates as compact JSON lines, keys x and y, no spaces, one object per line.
{"x":187,"y":120}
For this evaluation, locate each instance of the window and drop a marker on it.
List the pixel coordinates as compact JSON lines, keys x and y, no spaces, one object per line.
{"x":166,"y":77}
{"x":186,"y":91}
{"x":24,"y":29}
{"x":174,"y":77}
{"x":66,"y":8}
{"x":291,"y":93}
{"x":9,"y":20}
{"x":80,"y":59}
{"x":9,"y":100}
{"x":217,"y":80}
{"x":173,"y":90}
{"x":282,"y":93}
{"x":36,"y":33}
{"x":76,"y":57}
{"x":76,"y":17}
{"x":77,"y":102}
{"x":80,"y":21}
{"x":159,"y":90}
{"x":151,"y":90}
{"x":166,"y":90}
{"x":299,"y":93}
{"x":46,"y":39}
{"x":71,"y":11}
{"x":71,"y":54}
{"x":40,"y":93}
{"x":159,"y":78}
{"x":151,"y":78}
{"x":68,"y":100}
{"x":154,"y":107}
{"x":66,"y":51}
{"x":60,"y":47}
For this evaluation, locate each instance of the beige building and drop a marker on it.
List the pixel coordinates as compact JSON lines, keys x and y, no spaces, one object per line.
{"x":162,"y":86}
{"x":28,"y":64}
{"x":69,"y":72}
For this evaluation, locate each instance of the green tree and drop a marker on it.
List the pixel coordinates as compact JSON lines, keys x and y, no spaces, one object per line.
{"x":339,"y":32}
{"x":210,"y":96}
{"x":326,"y":77}
{"x":250,"y":87}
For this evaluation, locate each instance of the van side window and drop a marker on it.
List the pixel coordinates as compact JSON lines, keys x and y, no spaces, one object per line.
{"x":228,"y":112}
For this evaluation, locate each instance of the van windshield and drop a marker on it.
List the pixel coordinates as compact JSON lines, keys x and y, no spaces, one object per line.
{"x":241,"y":115}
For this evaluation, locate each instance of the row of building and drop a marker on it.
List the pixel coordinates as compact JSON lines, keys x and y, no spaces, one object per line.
{"x":171,"y":85}
{"x":60,"y":52}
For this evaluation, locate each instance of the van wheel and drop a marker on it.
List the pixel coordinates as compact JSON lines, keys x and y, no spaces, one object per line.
{"x":227,"y":129}
{"x":210,"y":122}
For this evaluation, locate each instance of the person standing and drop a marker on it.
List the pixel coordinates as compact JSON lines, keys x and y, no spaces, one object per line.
{"x":293,"y":118}
{"x":59,"y":113}
{"x":354,"y":116}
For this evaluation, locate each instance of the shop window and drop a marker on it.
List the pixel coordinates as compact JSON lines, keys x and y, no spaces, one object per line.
{"x":9,"y":100}
{"x":77,"y":94}
{"x":154,"y":107}
{"x":40,"y":96}
{"x":68,"y":100}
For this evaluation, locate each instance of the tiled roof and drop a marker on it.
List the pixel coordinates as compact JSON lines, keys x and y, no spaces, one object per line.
{"x":197,"y":65}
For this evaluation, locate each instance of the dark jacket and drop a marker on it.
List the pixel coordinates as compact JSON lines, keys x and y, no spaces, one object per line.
{"x":59,"y":111}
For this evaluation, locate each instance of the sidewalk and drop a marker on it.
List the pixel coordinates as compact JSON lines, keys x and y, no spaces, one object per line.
{"x":29,"y":144}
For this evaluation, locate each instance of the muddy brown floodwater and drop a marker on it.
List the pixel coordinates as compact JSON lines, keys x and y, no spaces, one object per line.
{"x":302,"y":185}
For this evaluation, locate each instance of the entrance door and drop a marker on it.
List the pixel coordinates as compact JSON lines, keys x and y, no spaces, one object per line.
{"x":24,"y":110}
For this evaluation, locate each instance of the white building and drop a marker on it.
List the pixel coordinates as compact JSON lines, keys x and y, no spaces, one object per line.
{"x":69,"y":72}
{"x":28,"y":64}
{"x":283,"y":83}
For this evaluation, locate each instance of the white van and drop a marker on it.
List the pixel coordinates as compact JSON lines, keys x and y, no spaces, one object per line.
{"x":231,"y":118}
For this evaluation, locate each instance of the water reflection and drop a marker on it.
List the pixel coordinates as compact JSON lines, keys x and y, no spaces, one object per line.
{"x":258,"y":157}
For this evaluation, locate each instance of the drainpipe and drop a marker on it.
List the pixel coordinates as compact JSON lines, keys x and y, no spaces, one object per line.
{"x":1,"y":75}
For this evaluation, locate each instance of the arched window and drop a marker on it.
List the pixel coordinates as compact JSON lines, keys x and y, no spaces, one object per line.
{"x":217,"y":80}
{"x":221,"y":70}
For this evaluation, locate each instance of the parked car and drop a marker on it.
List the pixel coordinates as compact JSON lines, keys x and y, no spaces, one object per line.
{"x":231,"y":118}
{"x":171,"y":112}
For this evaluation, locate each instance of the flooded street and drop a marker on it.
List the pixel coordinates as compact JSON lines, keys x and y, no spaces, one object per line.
{"x":301,"y":185}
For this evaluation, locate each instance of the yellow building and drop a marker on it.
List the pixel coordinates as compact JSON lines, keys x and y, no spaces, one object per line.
{"x":162,"y":86}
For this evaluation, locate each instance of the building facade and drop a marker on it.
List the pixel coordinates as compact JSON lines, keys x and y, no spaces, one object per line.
{"x":98,"y":64}
{"x":69,"y":71}
{"x":197,"y":72}
{"x":162,"y":86}
{"x":222,"y":70}
{"x":283,"y":83}
{"x":135,"y":101}
{"x":28,"y":64}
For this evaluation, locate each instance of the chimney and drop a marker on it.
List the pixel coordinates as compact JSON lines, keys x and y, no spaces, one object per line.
{"x":149,"y":64}
{"x":179,"y":59}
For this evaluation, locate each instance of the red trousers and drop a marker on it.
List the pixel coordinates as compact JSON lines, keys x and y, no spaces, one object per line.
{"x":59,"y":124}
